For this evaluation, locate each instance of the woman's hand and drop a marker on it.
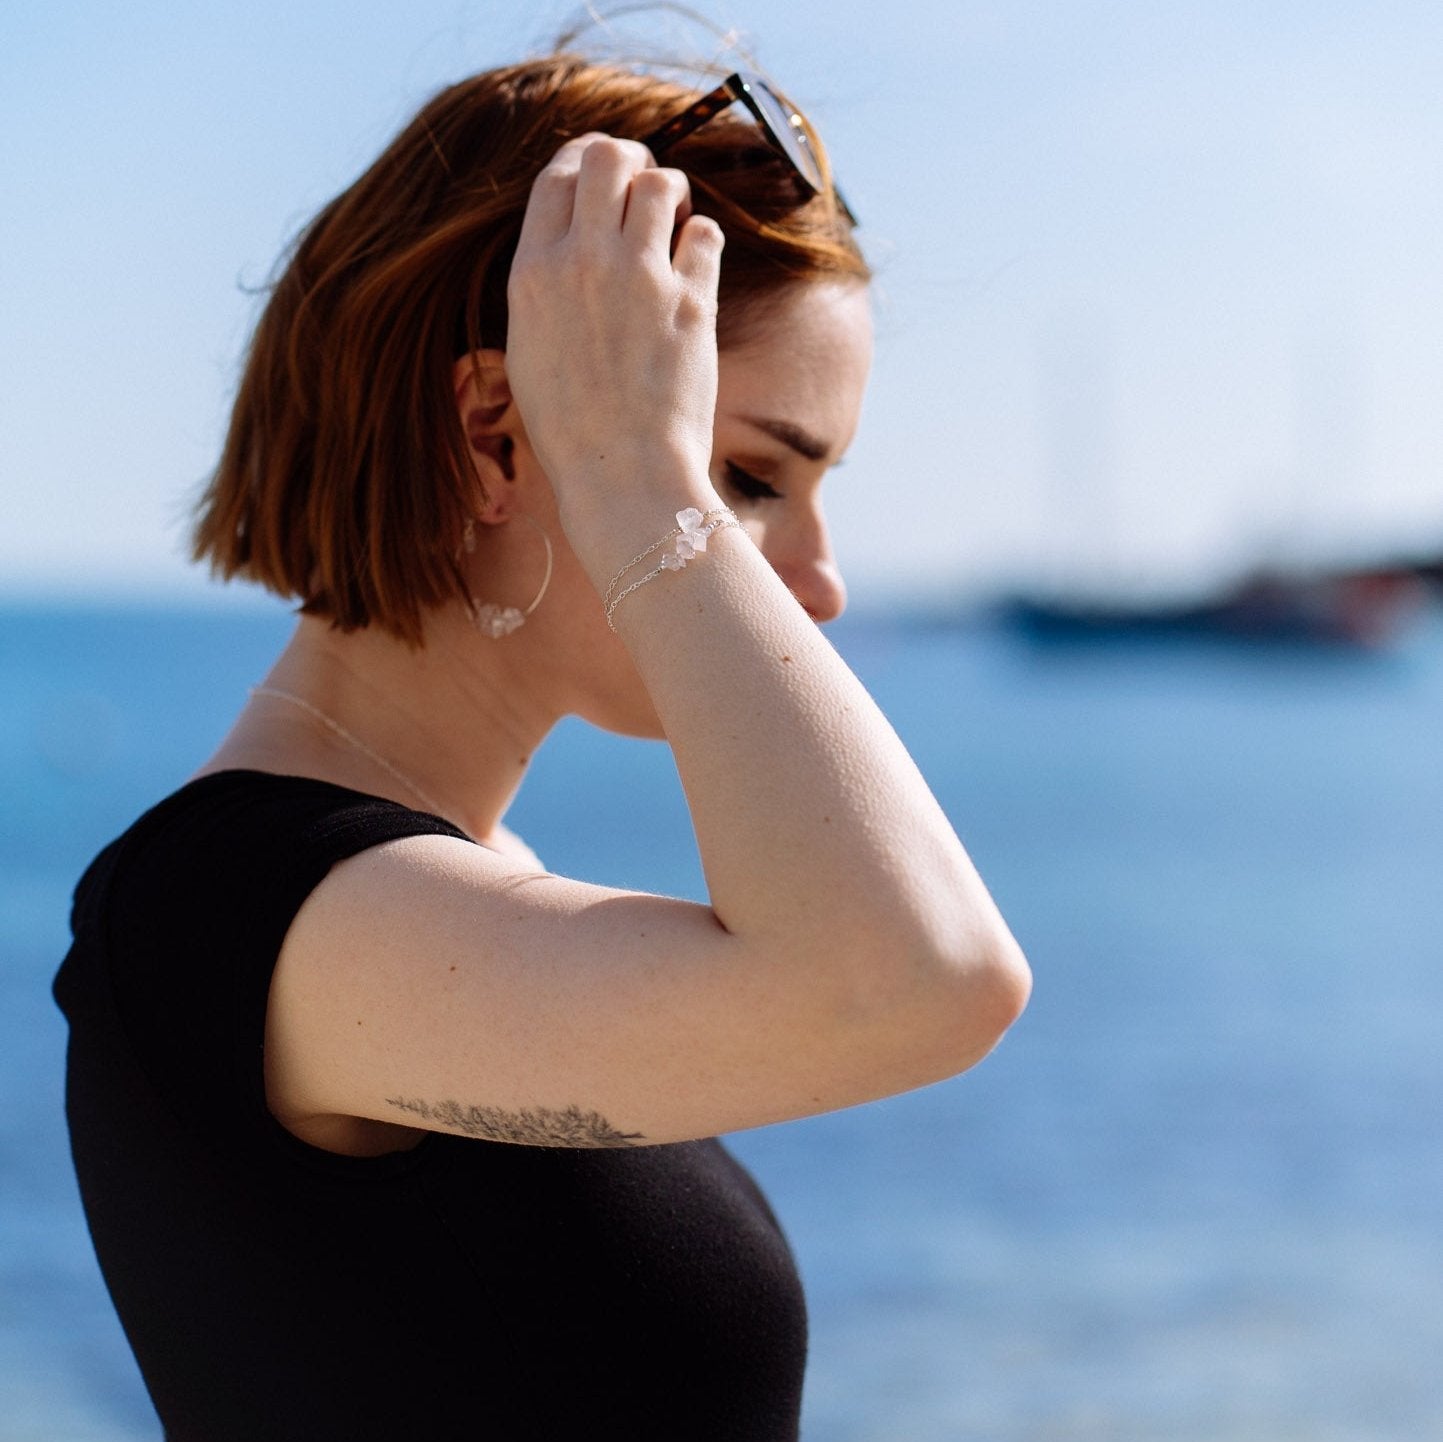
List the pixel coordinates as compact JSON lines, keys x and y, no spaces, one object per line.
{"x":611,"y":351}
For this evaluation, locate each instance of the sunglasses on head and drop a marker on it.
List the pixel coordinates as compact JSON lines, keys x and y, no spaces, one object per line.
{"x":783,"y":127}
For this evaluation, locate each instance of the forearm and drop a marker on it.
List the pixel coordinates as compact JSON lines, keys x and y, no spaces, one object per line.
{"x":822,"y":846}
{"x":816,"y":830}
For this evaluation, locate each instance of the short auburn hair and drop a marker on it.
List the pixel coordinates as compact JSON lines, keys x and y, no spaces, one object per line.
{"x":345,"y":482}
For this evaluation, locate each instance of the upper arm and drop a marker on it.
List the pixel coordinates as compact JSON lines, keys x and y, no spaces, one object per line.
{"x":432,"y":983}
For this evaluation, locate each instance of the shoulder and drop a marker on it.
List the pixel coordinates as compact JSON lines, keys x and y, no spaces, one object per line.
{"x":227,"y":860}
{"x":507,"y":843}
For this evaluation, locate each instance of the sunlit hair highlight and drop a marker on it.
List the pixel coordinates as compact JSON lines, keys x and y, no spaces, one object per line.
{"x":345,"y":481}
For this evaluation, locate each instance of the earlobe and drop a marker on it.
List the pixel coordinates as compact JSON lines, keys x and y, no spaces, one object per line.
{"x":494,"y":465}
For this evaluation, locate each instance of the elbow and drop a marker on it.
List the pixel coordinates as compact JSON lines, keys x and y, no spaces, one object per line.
{"x":974,"y":1000}
{"x":1004,"y":989}
{"x":920,"y":1010}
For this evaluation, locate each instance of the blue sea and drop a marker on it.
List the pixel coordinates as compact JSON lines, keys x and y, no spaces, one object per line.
{"x":1197,"y":1194}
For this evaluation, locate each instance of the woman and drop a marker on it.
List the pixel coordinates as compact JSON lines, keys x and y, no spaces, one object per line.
{"x":382,"y":1130}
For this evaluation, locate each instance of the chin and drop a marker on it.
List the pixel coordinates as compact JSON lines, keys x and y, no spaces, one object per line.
{"x":619,"y":702}
{"x":639,"y":721}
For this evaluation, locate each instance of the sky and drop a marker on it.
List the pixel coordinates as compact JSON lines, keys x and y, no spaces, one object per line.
{"x":1160,"y":296}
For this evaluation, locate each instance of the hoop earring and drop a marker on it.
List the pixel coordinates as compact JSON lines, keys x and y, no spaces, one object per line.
{"x":498,"y":621}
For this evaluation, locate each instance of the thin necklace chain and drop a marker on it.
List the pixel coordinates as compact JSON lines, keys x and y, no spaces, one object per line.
{"x":430,"y":803}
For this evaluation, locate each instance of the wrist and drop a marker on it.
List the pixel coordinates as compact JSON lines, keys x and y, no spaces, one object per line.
{"x":608,"y":523}
{"x":684,"y":542}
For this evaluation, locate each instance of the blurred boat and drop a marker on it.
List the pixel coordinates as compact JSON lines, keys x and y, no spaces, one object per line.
{"x":1365,"y":607}
{"x":1431,"y":572}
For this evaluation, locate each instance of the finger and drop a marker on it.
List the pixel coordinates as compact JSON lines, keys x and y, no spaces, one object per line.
{"x":698,"y":253}
{"x":607,"y":169}
{"x":658,"y":201}
{"x":551,"y":204}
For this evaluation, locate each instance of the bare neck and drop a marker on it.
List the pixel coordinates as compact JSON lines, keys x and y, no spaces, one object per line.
{"x":449,"y":727}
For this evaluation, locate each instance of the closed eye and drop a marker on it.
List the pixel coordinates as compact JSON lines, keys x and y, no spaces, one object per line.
{"x":748,"y":486}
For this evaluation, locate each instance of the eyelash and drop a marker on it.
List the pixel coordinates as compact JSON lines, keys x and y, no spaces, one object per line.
{"x":748,"y":486}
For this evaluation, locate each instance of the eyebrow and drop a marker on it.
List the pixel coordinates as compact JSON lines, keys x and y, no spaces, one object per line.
{"x":793,"y":436}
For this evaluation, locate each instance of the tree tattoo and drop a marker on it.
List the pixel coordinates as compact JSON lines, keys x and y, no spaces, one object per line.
{"x":529,"y":1127}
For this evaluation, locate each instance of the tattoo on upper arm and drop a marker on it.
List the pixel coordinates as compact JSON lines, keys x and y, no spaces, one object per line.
{"x":531,"y":1126}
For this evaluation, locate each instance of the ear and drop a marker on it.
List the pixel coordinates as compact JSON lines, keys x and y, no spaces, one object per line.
{"x":491,"y":424}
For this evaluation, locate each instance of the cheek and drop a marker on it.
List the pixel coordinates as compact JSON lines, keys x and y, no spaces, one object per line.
{"x":764,"y":533}
{"x":753,"y":525}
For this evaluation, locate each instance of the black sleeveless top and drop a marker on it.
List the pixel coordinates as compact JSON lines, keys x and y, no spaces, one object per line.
{"x":274,"y":1292}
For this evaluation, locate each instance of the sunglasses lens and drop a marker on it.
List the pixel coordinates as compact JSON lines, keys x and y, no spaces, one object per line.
{"x":786,"y":127}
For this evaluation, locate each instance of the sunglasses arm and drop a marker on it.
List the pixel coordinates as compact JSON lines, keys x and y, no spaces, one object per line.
{"x":692,"y":118}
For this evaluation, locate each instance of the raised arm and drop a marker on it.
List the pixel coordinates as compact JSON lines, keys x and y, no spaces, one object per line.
{"x":848,"y":950}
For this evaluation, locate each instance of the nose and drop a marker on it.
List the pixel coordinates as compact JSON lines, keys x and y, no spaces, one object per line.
{"x":800,"y":552}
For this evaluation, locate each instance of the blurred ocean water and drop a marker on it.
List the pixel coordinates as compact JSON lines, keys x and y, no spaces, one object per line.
{"x":1195,"y":1196}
